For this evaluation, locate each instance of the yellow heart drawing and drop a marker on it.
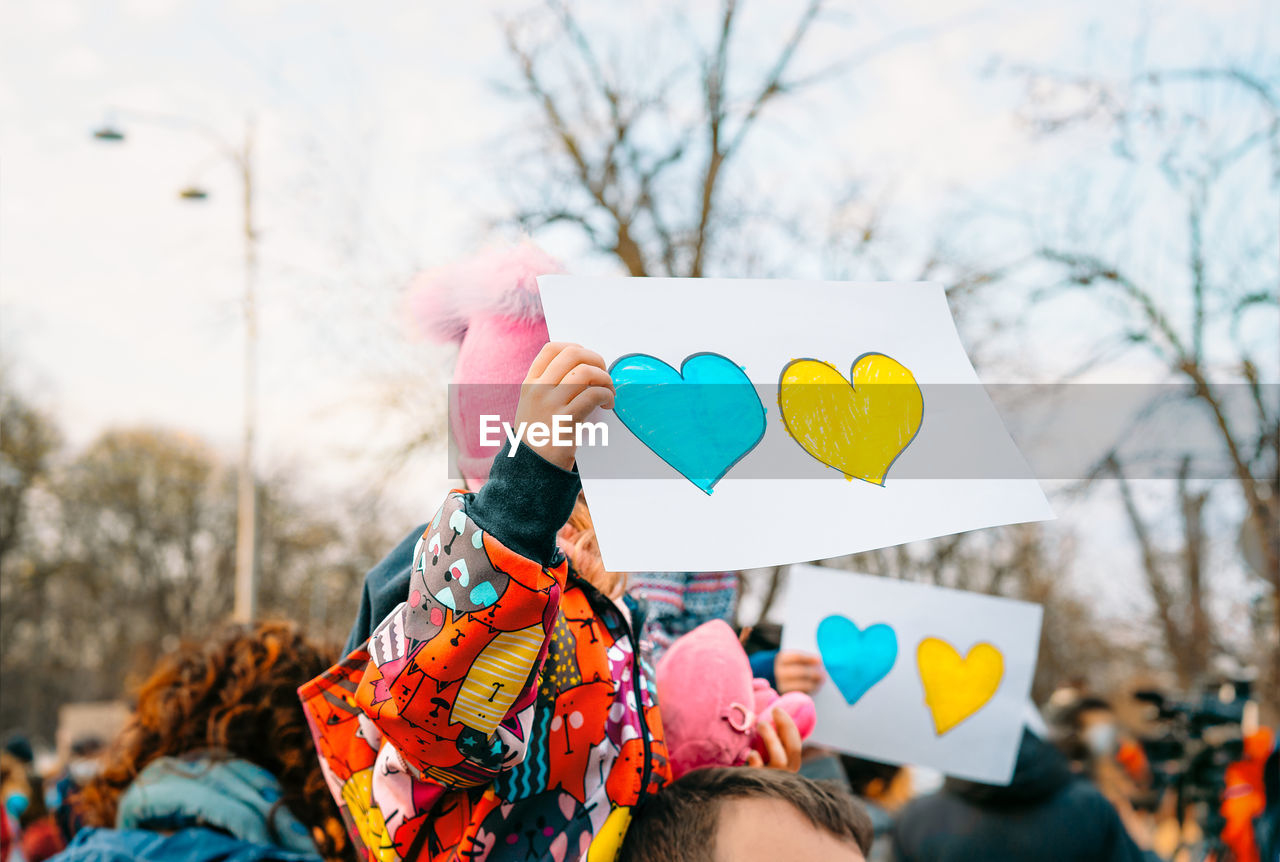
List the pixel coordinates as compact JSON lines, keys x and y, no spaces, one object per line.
{"x":858,"y":426}
{"x":955,"y":688}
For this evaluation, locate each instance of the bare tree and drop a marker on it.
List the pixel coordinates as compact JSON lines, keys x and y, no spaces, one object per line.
{"x":1212,"y":138}
{"x":1176,"y":577}
{"x":132,"y":549}
{"x":29,"y":441}
{"x":640,"y":171}
{"x":652,"y":170}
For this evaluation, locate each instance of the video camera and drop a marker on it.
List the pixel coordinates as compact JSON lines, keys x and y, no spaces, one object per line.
{"x":1197,"y":740}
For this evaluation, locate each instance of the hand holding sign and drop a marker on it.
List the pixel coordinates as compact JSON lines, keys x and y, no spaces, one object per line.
{"x":721,"y":424}
{"x":564,"y":380}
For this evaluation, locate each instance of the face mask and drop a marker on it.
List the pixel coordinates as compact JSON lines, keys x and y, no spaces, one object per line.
{"x":15,"y":804}
{"x":82,"y":771}
{"x":1101,"y":739}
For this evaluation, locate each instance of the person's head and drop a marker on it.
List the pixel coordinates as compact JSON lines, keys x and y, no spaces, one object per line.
{"x":231,"y":695}
{"x":19,"y":747}
{"x":745,"y":814}
{"x":885,"y":784}
{"x":86,"y":759}
{"x":20,"y":789}
{"x":1092,"y":723}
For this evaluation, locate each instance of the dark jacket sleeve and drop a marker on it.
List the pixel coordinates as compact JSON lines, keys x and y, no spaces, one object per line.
{"x":525,"y":502}
{"x":762,"y":665}
{"x":385,"y":586}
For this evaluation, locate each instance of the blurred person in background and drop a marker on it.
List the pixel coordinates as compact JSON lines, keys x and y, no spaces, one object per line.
{"x":1045,"y":814}
{"x":63,"y":796}
{"x":884,"y":789}
{"x":6,"y":836}
{"x":1089,"y":732}
{"x":1267,"y":825}
{"x":216,"y":762}
{"x":1096,"y":746}
{"x":1249,"y":805}
{"x":34,"y":835}
{"x":16,"y":774}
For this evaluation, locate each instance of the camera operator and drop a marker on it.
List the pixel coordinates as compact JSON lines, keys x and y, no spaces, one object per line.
{"x":1210,"y":753}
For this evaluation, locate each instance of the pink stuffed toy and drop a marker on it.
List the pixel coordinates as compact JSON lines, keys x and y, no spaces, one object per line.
{"x":710,"y":704}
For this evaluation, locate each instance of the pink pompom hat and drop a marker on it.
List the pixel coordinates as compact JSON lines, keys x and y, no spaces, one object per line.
{"x":489,"y":305}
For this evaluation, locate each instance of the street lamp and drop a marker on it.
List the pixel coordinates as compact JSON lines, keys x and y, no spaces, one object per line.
{"x":241,"y":158}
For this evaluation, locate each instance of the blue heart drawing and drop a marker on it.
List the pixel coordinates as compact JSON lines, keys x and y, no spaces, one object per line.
{"x":701,"y":419}
{"x":855,"y":658}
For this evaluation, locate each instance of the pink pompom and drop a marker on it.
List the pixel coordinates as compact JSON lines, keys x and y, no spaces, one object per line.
{"x":500,"y":283}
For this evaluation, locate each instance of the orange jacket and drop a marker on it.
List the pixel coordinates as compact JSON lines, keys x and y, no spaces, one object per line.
{"x":1244,"y":797}
{"x":499,"y":712}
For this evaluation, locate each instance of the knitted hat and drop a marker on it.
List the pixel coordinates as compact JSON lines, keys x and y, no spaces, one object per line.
{"x":20,"y":747}
{"x":488,"y":304}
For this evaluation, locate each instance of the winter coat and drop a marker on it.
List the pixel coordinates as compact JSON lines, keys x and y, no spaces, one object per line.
{"x":499,"y":710}
{"x":195,"y":844}
{"x":1045,"y":814}
{"x":198,"y":808}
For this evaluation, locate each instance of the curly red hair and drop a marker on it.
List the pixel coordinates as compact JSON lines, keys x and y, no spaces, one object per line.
{"x":234,"y":694}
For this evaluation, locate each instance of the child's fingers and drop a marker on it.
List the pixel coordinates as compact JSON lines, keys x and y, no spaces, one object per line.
{"x":589,"y":399}
{"x":565,"y":361}
{"x":753,"y":759}
{"x":579,"y":378}
{"x":570,"y":395}
{"x":802,"y":659}
{"x":549,"y":351}
{"x":789,"y":736}
{"x":772,"y":745}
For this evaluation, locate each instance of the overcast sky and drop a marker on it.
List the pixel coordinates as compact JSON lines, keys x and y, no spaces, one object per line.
{"x":377,"y":131}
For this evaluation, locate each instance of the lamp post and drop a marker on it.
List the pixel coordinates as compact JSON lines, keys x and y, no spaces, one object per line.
{"x":241,"y":158}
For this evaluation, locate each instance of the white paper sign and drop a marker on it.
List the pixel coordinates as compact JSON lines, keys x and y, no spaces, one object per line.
{"x":746,"y":432}
{"x":916,"y":674}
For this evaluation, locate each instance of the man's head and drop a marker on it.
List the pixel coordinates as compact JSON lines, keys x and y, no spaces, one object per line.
{"x":1091,"y":728}
{"x":739,"y":813}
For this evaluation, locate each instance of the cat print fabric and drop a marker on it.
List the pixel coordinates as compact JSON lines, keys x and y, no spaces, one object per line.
{"x":501,"y":712}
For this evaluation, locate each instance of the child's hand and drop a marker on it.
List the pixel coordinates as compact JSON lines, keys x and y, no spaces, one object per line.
{"x":797,"y":671}
{"x":781,"y":740}
{"x":564,"y":380}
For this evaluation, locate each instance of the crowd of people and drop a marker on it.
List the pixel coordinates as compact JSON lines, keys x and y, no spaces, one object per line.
{"x":496,"y":699}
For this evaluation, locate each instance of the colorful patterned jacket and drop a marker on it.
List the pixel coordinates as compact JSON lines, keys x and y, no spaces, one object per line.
{"x":500,"y":711}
